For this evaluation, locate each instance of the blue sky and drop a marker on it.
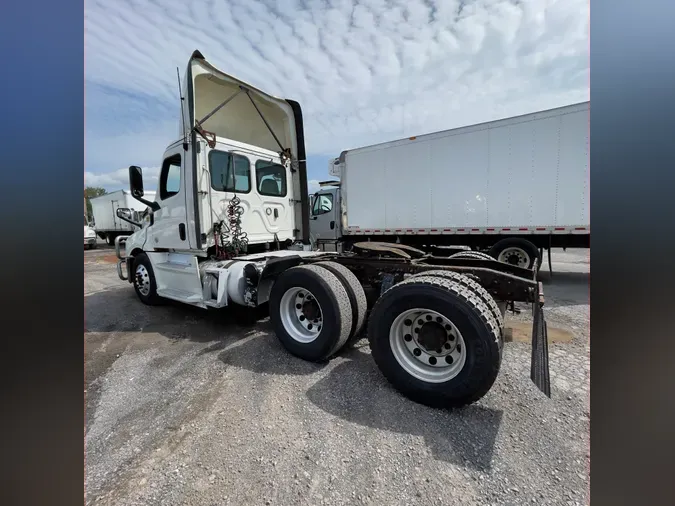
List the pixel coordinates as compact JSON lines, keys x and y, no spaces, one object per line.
{"x":364,"y":71}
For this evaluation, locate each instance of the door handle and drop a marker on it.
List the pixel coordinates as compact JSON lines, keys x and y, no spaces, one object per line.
{"x":181,"y":231}
{"x":276,"y":213}
{"x":332,"y":225}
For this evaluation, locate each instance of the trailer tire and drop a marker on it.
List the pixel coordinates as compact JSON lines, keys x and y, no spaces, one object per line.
{"x":464,"y":376}
{"x":516,"y":251}
{"x":472,"y":254}
{"x":481,"y":292}
{"x":356,"y":294}
{"x":144,"y":281}
{"x":110,"y":239}
{"x":310,"y":287}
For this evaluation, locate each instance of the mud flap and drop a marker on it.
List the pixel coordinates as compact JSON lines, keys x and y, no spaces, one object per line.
{"x":539,"y":372}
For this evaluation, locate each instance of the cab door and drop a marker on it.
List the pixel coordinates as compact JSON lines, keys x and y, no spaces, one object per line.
{"x":324,"y":225}
{"x":169,"y":229}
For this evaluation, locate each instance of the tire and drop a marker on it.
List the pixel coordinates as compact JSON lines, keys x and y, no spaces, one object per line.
{"x":300,"y":337}
{"x":508,"y":250}
{"x":110,"y":239}
{"x":472,"y":254}
{"x":481,"y":292}
{"x":144,"y":279}
{"x":356,"y":294}
{"x":454,"y":305}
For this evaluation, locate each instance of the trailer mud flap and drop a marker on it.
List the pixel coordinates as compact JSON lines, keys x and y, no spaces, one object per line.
{"x":539,"y":372}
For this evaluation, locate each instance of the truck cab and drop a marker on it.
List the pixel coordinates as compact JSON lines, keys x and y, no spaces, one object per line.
{"x":325,"y":220}
{"x":242,"y":157}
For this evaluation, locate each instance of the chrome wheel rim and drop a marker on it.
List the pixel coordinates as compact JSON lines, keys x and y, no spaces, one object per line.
{"x":301,"y":315}
{"x":143,"y":280}
{"x":514,"y":256}
{"x":427,"y":345}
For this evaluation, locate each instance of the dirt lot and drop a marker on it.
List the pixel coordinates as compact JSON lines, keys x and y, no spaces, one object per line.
{"x":186,"y":406}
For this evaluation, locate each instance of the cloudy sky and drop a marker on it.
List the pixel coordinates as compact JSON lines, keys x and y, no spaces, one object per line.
{"x":364,"y":71}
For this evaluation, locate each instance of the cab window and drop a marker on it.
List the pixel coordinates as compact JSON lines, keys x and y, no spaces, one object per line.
{"x":230,"y":172}
{"x":169,"y":177}
{"x":323,"y":203}
{"x":270,"y":178}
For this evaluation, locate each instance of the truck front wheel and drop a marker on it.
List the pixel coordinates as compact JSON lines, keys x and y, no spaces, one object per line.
{"x":310,"y":312}
{"x":435,"y":341}
{"x":144,"y":281}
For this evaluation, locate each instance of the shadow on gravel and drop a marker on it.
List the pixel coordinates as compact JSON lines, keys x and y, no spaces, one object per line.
{"x":265,"y":355}
{"x":356,"y":391}
{"x":119,"y":310}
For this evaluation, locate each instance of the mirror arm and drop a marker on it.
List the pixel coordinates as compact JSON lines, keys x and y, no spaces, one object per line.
{"x":152,"y":205}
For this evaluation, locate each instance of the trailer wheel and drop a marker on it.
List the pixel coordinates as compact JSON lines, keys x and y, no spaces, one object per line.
{"x":515,"y":251}
{"x":110,"y":239}
{"x":356,"y":294}
{"x":144,"y":281}
{"x":472,"y":254}
{"x":434,"y":340}
{"x":480,"y":292}
{"x":310,"y":312}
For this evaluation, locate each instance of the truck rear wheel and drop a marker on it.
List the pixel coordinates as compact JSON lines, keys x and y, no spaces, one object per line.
{"x":432,"y":338}
{"x":516,"y":251}
{"x":481,"y":292}
{"x":110,"y":239}
{"x":310,"y":312}
{"x":357,"y":297}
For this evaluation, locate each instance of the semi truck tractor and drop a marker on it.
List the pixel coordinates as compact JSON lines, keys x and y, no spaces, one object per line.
{"x":510,"y":188}
{"x":104,"y":208}
{"x":229,"y":228}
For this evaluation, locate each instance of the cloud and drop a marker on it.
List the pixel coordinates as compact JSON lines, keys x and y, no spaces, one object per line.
{"x":364,"y":71}
{"x":120,"y":179}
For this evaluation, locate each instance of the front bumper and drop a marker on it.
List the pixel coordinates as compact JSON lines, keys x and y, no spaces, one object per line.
{"x":123,"y":262}
{"x":88,"y":241}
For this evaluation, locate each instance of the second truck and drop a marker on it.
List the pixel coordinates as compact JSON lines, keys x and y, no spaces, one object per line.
{"x":229,"y":227}
{"x":510,"y":188}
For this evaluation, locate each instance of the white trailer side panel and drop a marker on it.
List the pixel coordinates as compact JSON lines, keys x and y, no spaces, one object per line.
{"x":528,"y":171}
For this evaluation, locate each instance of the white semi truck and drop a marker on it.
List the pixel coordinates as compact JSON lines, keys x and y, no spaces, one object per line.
{"x":106,"y":221}
{"x":510,"y":188}
{"x":229,"y":227}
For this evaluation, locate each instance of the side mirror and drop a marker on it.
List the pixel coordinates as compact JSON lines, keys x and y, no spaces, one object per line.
{"x":136,"y":181}
{"x":126,"y":215}
{"x":123,"y":213}
{"x":136,"y":187}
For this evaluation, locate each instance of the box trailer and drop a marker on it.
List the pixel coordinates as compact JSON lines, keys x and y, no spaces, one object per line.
{"x":107,"y":224}
{"x":511,"y":187}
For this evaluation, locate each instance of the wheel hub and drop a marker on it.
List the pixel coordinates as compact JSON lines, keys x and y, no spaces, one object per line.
{"x":301,"y":315}
{"x":514,"y":256}
{"x":143,"y":280}
{"x":427,"y":345}
{"x":432,"y":336}
{"x":310,"y":309}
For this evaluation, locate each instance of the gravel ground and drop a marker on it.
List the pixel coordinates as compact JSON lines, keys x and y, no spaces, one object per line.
{"x":194,"y":407}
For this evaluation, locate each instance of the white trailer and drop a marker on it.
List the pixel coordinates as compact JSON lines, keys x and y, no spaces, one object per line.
{"x":104,"y":208}
{"x":511,"y":187}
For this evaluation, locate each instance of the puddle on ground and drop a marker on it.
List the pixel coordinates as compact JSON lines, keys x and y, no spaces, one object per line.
{"x":521,"y":332}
